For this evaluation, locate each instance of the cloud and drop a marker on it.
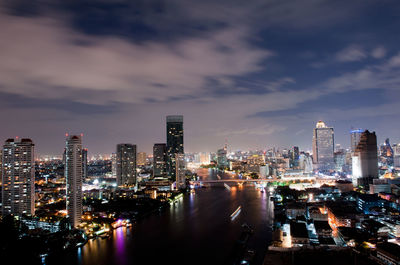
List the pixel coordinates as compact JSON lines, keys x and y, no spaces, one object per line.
{"x":59,"y":62}
{"x":352,"y":53}
{"x":378,"y":52}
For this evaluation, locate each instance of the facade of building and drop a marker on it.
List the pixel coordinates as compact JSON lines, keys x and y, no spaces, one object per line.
{"x":355,"y":136}
{"x":222,"y":160}
{"x":73,"y":175}
{"x":85,"y":163}
{"x":18,"y":177}
{"x":180,"y":171}
{"x":365,"y":160}
{"x":174,"y":142}
{"x":141,"y":159}
{"x":323,"y":146}
{"x":159,"y":160}
{"x":126,"y":165}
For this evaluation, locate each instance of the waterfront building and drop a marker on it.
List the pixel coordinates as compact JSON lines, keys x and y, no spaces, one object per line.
{"x":73,"y":175}
{"x":365,"y":160}
{"x":204,"y":158}
{"x":174,"y":142}
{"x":180,"y":171}
{"x":323,"y":146}
{"x":18,"y":177}
{"x":141,"y":159}
{"x":159,"y":160}
{"x":126,"y":165}
{"x":222,"y":160}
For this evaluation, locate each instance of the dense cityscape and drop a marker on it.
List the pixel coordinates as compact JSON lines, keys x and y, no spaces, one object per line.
{"x":341,"y":199}
{"x":185,"y":132}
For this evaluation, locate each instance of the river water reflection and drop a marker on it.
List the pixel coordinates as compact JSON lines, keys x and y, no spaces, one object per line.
{"x":196,"y":230}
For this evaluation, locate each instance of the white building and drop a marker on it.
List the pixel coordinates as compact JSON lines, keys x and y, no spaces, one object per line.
{"x":73,"y":175}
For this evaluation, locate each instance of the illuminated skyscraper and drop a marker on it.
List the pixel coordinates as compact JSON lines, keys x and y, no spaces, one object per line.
{"x":174,"y":142}
{"x":365,"y":160}
{"x":294,"y":157}
{"x":355,"y":138}
{"x":141,"y":159}
{"x":159,"y":160}
{"x":323,"y":146}
{"x":18,"y":177}
{"x":73,"y":175}
{"x":222,"y":160}
{"x":180,"y":171}
{"x":126,"y":164}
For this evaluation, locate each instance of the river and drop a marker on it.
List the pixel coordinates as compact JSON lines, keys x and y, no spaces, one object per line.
{"x":196,"y":230}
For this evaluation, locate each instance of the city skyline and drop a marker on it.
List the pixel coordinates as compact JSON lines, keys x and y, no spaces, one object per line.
{"x":261,"y":79}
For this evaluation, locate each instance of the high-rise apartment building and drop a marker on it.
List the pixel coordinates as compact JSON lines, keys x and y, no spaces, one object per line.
{"x":73,"y":175}
{"x":141,"y":159}
{"x":180,"y":171}
{"x":365,"y":160}
{"x":126,"y":164}
{"x":18,"y":177}
{"x":323,"y":146}
{"x":84,"y":163}
{"x":174,"y":142}
{"x":159,"y":160}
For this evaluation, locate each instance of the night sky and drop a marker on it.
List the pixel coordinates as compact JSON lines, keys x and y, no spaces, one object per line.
{"x":257,"y":73}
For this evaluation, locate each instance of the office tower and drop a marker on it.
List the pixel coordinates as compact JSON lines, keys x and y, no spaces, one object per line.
{"x":159,"y":160}
{"x":294,"y":157}
{"x":340,"y":160}
{"x":180,"y":171}
{"x":84,"y":163}
{"x":174,"y":142}
{"x":222,"y":160}
{"x":73,"y":175}
{"x":323,"y":146}
{"x":355,"y":138}
{"x":18,"y":177}
{"x":126,"y":164}
{"x":365,"y":160}
{"x":141,"y":159}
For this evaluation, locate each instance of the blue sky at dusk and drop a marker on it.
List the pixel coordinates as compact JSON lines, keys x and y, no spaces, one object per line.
{"x":258,"y":73}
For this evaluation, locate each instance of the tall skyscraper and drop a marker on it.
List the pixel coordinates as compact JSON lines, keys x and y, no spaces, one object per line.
{"x":355,"y":138}
{"x":84,"y":163}
{"x":180,"y":171}
{"x":141,"y":159}
{"x":323,"y":146}
{"x":159,"y":160}
{"x":174,"y":142}
{"x":222,"y":160}
{"x":73,"y":175}
{"x":126,"y":164}
{"x":18,"y":177}
{"x":365,"y":160}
